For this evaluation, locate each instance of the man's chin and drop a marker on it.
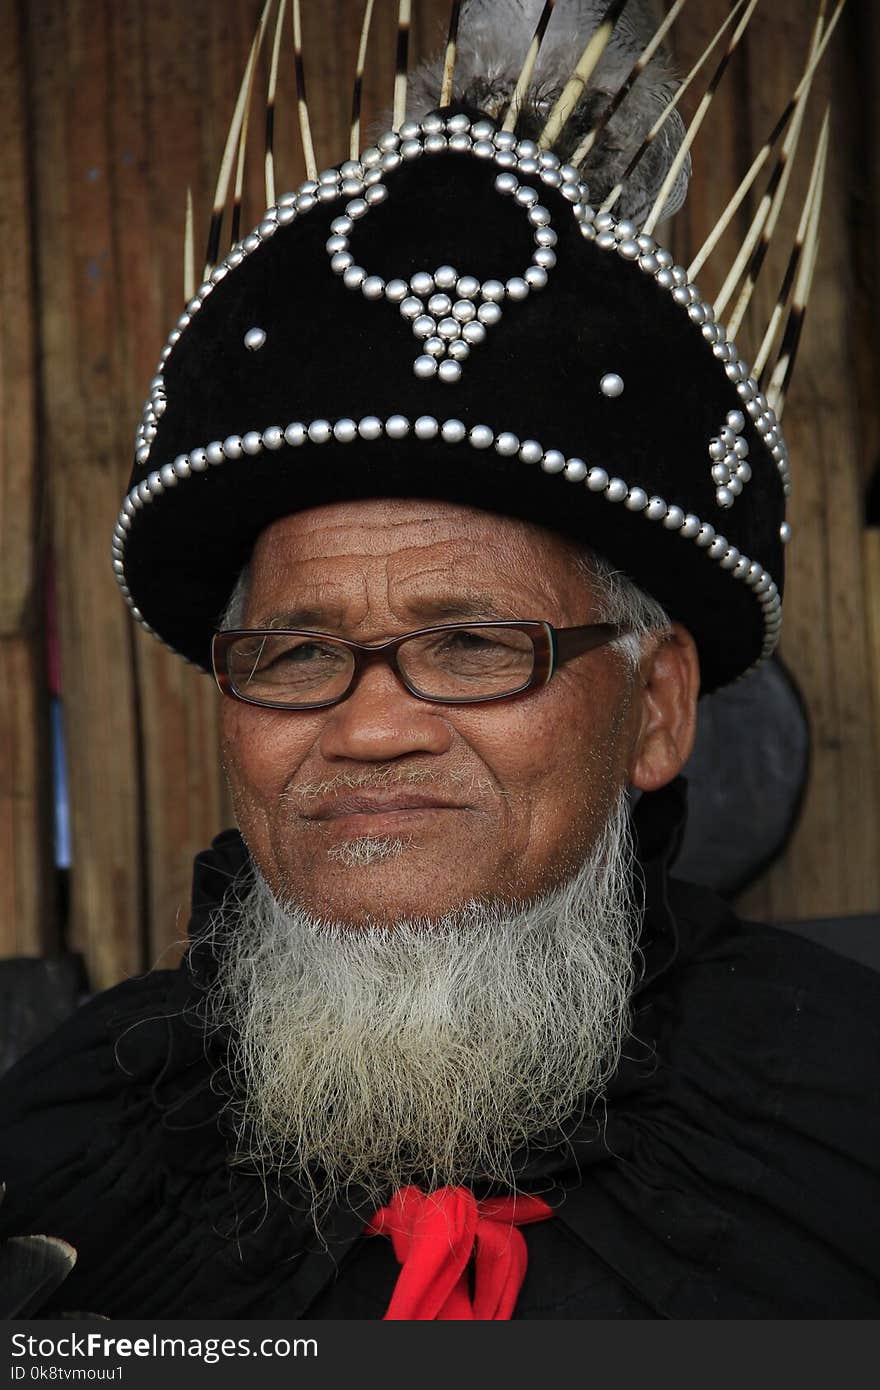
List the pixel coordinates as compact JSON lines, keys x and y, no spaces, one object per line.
{"x":383,"y":880}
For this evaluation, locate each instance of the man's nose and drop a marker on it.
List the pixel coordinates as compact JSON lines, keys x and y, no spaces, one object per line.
{"x":380,"y":720}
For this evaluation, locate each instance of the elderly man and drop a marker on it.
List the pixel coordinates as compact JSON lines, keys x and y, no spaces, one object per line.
{"x":449,"y":1043}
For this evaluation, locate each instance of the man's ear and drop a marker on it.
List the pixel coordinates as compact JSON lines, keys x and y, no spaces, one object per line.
{"x":670,"y":678}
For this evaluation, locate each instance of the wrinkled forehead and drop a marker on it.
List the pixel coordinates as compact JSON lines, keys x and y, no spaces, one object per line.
{"x":415,"y":541}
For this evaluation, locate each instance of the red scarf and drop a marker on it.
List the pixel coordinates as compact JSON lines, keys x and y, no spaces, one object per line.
{"x":434,"y":1237}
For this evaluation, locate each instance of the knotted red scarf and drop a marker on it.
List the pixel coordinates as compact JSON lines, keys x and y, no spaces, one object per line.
{"x":434,"y":1237}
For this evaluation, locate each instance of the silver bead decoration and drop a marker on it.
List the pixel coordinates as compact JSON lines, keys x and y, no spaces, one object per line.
{"x":397,"y":427}
{"x":481,"y":437}
{"x":254,"y":339}
{"x":232,"y":446}
{"x":785,"y":533}
{"x":426,"y":427}
{"x":616,"y":490}
{"x":453,"y":431}
{"x":611,"y":385}
{"x":507,"y":444}
{"x":449,"y":371}
{"x":597,"y":480}
{"x":473,"y":333}
{"x":459,"y":350}
{"x":531,"y":451}
{"x":295,"y":434}
{"x":445,"y":277}
{"x":636,"y":499}
{"x":425,"y":366}
{"x":273,"y":437}
{"x":370,"y":427}
{"x":252,"y":443}
{"x":320,"y":431}
{"x":345,"y":431}
{"x":575,"y":470}
{"x":554,"y":461}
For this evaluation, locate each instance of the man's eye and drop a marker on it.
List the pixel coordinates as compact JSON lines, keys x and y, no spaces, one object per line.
{"x":301,"y":654}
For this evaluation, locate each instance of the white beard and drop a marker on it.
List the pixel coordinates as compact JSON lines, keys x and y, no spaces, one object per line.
{"x":366,"y":1058}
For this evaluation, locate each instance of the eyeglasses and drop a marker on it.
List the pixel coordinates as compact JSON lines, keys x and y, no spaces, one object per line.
{"x":455,"y":664}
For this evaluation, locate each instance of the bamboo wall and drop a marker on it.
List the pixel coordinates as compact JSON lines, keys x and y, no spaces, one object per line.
{"x":110,"y":109}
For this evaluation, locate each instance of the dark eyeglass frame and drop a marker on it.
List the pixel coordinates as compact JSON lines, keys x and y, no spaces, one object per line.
{"x":551,"y":647}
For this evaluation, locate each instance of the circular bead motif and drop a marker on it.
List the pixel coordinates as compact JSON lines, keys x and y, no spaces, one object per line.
{"x":426,"y":298}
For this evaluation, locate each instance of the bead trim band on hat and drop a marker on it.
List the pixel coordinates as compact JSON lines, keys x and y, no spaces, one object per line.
{"x":348,"y":431}
{"x":361,"y":181}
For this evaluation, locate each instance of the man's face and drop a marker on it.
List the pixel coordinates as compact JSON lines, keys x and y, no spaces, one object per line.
{"x":449,"y":803}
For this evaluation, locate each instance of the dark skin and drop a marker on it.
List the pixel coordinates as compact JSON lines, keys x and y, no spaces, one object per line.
{"x":508,"y":797}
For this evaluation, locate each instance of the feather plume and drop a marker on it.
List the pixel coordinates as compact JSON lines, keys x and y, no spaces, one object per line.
{"x":494,"y":39}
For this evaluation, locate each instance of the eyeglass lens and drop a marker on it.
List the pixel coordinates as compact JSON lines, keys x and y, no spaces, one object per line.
{"x":464,"y":663}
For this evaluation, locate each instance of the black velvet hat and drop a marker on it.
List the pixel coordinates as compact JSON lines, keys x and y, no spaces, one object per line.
{"x":452,"y":315}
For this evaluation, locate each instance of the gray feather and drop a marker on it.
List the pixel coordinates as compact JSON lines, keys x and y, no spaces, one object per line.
{"x":494,"y":37}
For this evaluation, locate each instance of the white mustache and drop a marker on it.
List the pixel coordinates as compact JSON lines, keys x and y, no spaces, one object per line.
{"x":381,"y":778}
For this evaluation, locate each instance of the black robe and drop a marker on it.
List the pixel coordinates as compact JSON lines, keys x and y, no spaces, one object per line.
{"x":731,"y":1173}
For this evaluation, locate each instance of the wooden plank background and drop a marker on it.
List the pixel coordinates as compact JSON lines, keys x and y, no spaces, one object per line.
{"x":111,"y":109}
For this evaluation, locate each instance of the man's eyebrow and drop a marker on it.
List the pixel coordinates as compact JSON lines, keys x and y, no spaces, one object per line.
{"x":449,"y":608}
{"x":312,"y":616}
